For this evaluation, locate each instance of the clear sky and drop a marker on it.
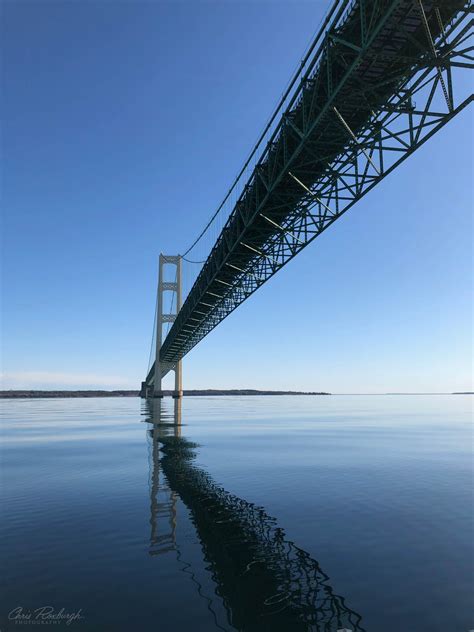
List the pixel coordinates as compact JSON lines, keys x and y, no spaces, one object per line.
{"x":123,"y":126}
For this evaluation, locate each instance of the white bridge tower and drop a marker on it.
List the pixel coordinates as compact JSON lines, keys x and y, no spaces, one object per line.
{"x":162,"y":368}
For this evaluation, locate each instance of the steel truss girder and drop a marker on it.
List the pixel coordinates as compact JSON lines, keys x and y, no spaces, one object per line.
{"x":277,"y":215}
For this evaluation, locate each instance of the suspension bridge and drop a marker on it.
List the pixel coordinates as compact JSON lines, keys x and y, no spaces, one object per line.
{"x":378,"y":80}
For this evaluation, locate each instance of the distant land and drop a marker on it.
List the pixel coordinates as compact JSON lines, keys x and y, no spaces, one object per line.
{"x":42,"y":394}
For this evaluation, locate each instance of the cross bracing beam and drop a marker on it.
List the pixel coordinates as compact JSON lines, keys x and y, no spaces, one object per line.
{"x":381,"y":83}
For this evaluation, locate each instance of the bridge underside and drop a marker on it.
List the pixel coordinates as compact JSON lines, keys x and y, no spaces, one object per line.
{"x":380,"y":83}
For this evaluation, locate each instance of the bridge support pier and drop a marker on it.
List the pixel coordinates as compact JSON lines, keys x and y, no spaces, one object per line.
{"x":161,"y":368}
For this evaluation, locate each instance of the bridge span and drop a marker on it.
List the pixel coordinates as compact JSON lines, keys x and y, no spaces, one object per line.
{"x":380,"y":78}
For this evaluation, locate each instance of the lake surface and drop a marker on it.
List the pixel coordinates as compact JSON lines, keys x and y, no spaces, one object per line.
{"x":254,"y":513}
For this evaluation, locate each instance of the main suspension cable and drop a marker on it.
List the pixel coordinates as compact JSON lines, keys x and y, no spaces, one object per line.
{"x":189,"y":260}
{"x":324,"y":22}
{"x":153,"y":335}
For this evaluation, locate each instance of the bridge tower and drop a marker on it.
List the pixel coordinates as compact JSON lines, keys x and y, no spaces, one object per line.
{"x":162,"y":368}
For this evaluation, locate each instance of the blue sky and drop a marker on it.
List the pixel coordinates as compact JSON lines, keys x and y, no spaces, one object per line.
{"x":123,"y":126}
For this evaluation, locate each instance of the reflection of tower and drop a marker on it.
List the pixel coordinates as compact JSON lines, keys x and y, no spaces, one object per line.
{"x":163,"y":513}
{"x":264,"y":580}
{"x":166,"y":422}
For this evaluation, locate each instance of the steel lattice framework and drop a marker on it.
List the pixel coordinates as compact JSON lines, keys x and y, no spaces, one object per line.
{"x":380,"y":82}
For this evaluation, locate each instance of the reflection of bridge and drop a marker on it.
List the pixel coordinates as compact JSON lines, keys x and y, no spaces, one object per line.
{"x":163,"y":514}
{"x":380,"y":78}
{"x":264,"y":581}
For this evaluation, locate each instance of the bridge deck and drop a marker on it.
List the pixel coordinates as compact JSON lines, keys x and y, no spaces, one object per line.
{"x":369,"y":54}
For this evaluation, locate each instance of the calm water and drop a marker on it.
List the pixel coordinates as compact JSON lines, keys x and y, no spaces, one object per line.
{"x":256,"y":513}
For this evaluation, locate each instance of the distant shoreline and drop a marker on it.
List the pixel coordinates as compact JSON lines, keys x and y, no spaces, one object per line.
{"x":187,"y":393}
{"x":245,"y":392}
